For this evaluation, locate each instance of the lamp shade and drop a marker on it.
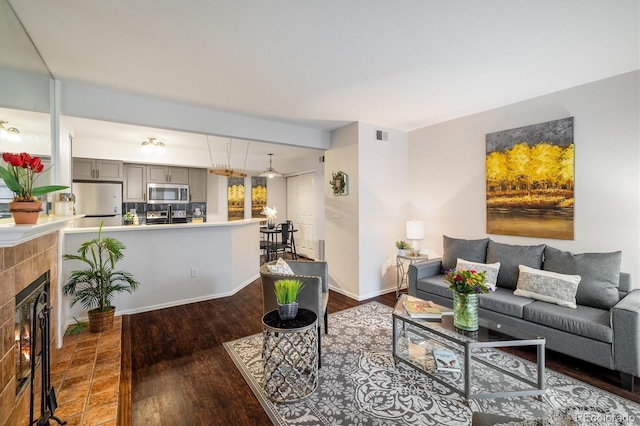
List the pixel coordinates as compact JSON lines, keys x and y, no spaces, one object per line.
{"x":415,"y":230}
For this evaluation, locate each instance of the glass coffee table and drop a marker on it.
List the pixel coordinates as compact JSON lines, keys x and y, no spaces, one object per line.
{"x":415,"y":339}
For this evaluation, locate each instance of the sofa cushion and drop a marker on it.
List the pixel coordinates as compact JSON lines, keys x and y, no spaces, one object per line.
{"x":490,"y":270}
{"x":510,"y":256}
{"x":584,"y":321}
{"x":548,"y":286}
{"x":503,"y":301}
{"x":454,"y":248}
{"x":600,"y":274}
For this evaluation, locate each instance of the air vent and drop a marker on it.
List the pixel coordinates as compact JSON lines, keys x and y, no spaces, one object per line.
{"x":382,"y":135}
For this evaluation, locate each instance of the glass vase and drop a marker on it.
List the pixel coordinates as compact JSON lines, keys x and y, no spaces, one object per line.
{"x":271,"y":222}
{"x":465,"y":311}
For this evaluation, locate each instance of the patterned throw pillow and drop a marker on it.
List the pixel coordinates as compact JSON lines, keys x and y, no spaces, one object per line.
{"x":490,"y":269}
{"x":548,"y":286}
{"x":280,"y":268}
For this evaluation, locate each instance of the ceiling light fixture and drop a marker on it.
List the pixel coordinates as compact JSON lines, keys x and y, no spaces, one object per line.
{"x":12,"y":134}
{"x":151,"y":145}
{"x":226,"y":169}
{"x":270,"y":172}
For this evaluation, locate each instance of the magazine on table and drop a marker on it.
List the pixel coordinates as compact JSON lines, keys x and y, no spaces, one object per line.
{"x":425,"y":309}
{"x":446,"y":360}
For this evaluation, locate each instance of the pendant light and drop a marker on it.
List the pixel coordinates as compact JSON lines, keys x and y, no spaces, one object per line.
{"x":270,"y":172}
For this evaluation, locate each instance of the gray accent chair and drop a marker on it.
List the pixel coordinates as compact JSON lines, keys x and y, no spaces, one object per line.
{"x":314,"y":296}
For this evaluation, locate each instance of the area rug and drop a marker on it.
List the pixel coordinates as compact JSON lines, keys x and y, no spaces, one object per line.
{"x":360,"y":384}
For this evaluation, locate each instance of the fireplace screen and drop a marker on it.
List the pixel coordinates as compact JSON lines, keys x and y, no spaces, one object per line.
{"x":25,"y":346}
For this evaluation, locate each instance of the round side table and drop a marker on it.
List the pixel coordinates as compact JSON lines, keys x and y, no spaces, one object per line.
{"x":290,"y":355}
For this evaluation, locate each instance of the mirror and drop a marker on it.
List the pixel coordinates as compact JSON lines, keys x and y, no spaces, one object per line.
{"x":25,"y":100}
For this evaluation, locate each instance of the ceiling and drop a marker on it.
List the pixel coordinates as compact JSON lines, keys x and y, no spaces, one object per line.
{"x":322,"y":64}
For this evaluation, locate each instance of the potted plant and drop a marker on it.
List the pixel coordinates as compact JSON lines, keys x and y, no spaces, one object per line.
{"x":402,"y":247}
{"x":96,"y":284}
{"x":287,"y":294}
{"x":128,"y":218}
{"x":21,"y":173}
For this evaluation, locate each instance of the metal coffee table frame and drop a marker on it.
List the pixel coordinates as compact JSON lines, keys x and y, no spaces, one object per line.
{"x":445,"y":334}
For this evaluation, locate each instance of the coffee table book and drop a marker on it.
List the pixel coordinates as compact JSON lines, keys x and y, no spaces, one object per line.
{"x":423,"y":309}
{"x":446,"y":360}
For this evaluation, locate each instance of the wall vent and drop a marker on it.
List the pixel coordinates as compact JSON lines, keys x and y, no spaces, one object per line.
{"x":382,"y":135}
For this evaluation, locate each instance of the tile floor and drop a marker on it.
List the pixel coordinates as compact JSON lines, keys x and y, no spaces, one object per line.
{"x":85,"y":373}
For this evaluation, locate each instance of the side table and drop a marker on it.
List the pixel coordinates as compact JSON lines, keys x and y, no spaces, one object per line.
{"x":402,"y":268}
{"x":290,"y":355}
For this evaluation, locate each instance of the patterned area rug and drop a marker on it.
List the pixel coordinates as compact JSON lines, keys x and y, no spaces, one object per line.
{"x":359,"y":383}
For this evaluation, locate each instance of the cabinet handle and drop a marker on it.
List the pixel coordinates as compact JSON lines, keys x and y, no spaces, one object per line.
{"x":93,"y":172}
{"x":97,"y":174}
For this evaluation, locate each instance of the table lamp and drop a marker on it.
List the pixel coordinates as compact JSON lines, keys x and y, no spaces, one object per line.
{"x":415,"y":232}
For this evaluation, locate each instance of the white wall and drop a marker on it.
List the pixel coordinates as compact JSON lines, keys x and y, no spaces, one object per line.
{"x":447,"y":169}
{"x":341,"y":213}
{"x":383,"y":178}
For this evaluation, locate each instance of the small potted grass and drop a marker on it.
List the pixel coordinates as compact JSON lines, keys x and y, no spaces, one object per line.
{"x":287,"y":294}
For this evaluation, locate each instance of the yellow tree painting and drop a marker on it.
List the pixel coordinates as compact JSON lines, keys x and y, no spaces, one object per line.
{"x":530,"y":180}
{"x":258,"y":195}
{"x":235,"y":198}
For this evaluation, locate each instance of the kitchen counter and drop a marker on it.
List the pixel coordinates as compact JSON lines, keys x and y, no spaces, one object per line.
{"x":174,"y":264}
{"x":144,"y":227}
{"x":11,"y":234}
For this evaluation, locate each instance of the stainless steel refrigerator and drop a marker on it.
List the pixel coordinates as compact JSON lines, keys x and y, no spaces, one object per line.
{"x":99,"y":202}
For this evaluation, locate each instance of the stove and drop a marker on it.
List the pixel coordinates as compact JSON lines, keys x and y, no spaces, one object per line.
{"x":162,"y":217}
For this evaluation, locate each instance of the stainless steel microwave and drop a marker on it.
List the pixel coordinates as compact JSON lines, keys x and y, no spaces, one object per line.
{"x":167,"y":193}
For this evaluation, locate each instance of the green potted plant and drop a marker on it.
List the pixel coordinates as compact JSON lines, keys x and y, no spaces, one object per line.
{"x":21,"y":173}
{"x":128,"y":218}
{"x":287,"y":295}
{"x":402,"y":247}
{"x":96,"y":284}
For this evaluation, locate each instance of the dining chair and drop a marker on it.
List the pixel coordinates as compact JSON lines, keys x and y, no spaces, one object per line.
{"x":286,"y":244}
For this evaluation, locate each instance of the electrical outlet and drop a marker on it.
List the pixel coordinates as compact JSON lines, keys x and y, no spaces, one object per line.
{"x":194,"y":272}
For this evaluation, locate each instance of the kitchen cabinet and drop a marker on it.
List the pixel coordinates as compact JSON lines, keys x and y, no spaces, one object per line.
{"x":198,"y":185}
{"x":93,"y":169}
{"x":167,"y":174}
{"x":135,"y":183}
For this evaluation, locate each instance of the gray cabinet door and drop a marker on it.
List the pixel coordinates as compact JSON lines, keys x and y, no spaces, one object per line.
{"x":135,"y":183}
{"x":179,"y":175}
{"x":157,"y":174}
{"x":83,"y":169}
{"x":92,"y":169}
{"x":109,"y":170}
{"x":198,"y":185}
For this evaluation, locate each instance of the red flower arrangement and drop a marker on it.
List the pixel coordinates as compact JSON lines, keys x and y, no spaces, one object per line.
{"x":21,"y":173}
{"x":467,"y":281}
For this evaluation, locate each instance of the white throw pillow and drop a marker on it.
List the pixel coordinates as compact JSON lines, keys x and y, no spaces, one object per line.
{"x":548,"y":286}
{"x":490,"y":269}
{"x":280,"y":268}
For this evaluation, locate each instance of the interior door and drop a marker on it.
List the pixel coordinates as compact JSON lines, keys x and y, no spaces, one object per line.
{"x":301,"y":199}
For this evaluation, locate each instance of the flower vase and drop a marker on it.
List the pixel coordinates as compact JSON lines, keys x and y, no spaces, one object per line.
{"x":271,"y":222}
{"x":25,"y":212}
{"x":465,"y":311}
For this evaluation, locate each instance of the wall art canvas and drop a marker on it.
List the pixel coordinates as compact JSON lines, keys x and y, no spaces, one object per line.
{"x":258,"y":195}
{"x":530,"y":180}
{"x":235,"y":198}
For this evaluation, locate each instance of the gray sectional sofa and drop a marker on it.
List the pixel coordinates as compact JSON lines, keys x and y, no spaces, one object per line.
{"x":604,"y":326}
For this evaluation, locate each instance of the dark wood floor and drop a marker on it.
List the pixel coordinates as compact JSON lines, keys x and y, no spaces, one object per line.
{"x":180,"y":374}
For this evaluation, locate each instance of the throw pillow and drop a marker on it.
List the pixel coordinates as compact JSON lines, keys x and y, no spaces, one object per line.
{"x":491,"y":271}
{"x":510,"y":256}
{"x":548,"y":286}
{"x":600,"y":274}
{"x":280,"y":268}
{"x":454,"y":248}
